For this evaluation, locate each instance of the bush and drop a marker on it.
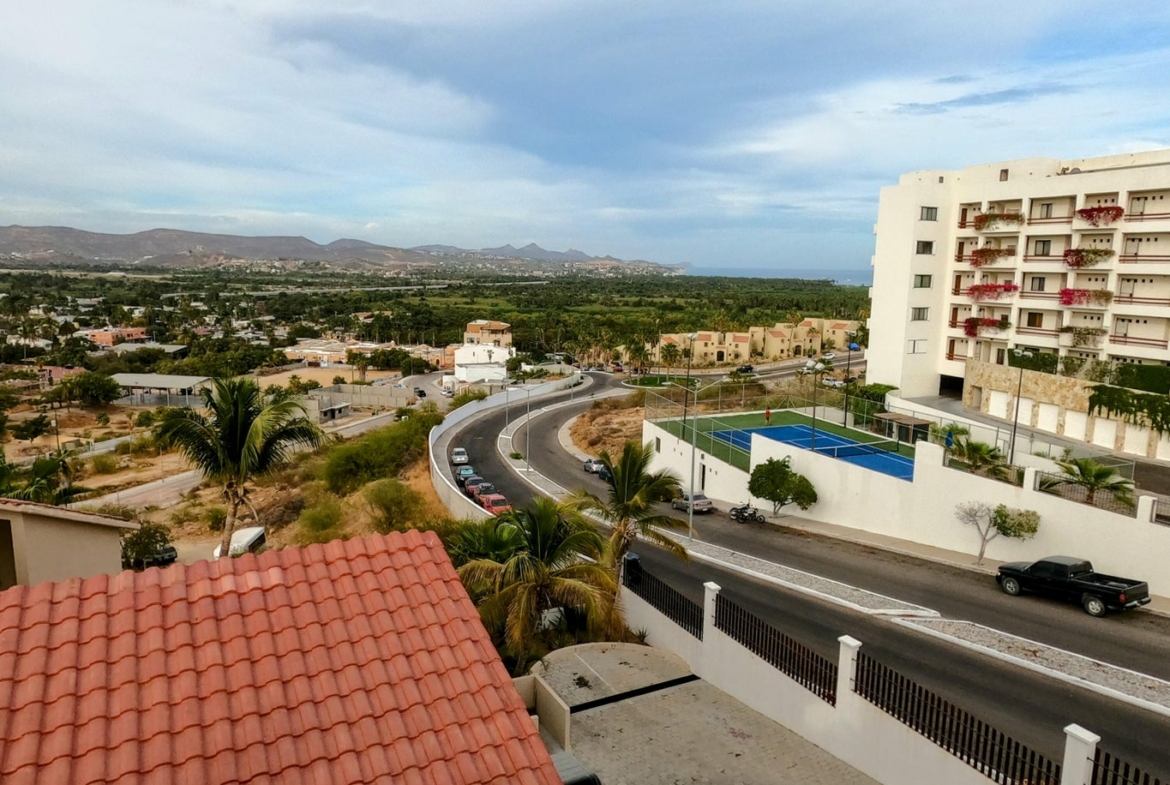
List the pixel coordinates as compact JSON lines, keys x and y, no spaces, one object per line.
{"x":104,"y":464}
{"x":379,"y":454}
{"x":143,"y":543}
{"x":466,"y":397}
{"x":318,"y":523}
{"x":143,"y":445}
{"x":144,"y":420}
{"x":394,"y":505}
{"x":123,"y":448}
{"x":118,"y":511}
{"x":103,"y":419}
{"x":339,"y":379}
{"x":216,"y":518}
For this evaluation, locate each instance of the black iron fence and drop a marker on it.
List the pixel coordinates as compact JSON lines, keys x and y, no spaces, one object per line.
{"x":681,"y":610}
{"x":972,"y":741}
{"x":1108,"y":770}
{"x":804,"y":666}
{"x":1066,"y":487}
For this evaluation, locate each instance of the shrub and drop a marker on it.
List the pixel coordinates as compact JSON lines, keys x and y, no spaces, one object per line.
{"x":123,"y":448}
{"x":216,"y":518}
{"x":466,"y":397}
{"x":143,"y":445}
{"x":318,"y":523}
{"x":379,"y":454}
{"x":144,"y":419}
{"x":118,"y":511}
{"x":103,"y":419}
{"x":104,"y":464}
{"x":394,"y":505}
{"x":339,"y":379}
{"x":139,"y":545}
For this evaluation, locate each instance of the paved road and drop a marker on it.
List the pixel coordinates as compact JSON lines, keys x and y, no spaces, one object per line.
{"x":979,"y":684}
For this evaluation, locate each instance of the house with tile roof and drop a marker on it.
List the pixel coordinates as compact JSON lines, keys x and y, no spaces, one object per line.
{"x":41,"y":542}
{"x":783,"y":341}
{"x":360,"y":661}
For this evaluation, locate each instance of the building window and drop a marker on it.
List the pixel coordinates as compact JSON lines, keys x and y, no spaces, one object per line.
{"x":1003,"y":175}
{"x":919,"y":314}
{"x":924,"y":247}
{"x":917,"y":346}
{"x":1046,"y":210}
{"x":928,"y":214}
{"x":657,"y":444}
{"x":922,"y":282}
{"x":1035,"y":319}
{"x":1038,"y":284}
{"x":1001,"y":356}
{"x":1043,"y":247}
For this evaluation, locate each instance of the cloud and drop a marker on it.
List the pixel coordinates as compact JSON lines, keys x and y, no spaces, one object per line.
{"x":999,"y":97}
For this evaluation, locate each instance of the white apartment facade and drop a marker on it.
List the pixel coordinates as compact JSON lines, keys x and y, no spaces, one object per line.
{"x":1070,"y":257}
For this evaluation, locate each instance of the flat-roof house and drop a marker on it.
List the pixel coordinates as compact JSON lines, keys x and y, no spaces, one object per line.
{"x":359,"y":661}
{"x":40,"y":542}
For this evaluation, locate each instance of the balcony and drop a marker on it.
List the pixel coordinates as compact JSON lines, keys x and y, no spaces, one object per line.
{"x":1133,"y":258}
{"x":1086,"y":298}
{"x":1048,"y":257}
{"x":1039,"y":295}
{"x":991,"y":291}
{"x":1036,"y":331}
{"x":959,"y":358}
{"x":1063,"y":219}
{"x":1130,"y":340}
{"x":1101,"y":217}
{"x":1133,"y":299}
{"x":998,"y":222}
{"x":1137,"y":217}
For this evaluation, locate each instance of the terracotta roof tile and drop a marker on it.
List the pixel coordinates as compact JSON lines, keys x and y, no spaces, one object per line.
{"x":354,"y":662}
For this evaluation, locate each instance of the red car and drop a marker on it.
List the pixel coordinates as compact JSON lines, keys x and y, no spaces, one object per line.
{"x":481,"y":490}
{"x":496,"y":504}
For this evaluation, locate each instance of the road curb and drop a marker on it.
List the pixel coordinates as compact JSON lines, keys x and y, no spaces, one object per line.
{"x":1100,"y":689}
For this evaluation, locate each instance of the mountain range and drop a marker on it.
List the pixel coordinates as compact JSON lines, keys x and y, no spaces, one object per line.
{"x":171,"y":247}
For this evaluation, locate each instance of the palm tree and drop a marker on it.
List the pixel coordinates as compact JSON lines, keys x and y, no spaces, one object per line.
{"x":243,"y":436}
{"x":669,"y":355}
{"x":981,"y":458}
{"x":494,"y":539}
{"x":555,"y":566}
{"x":1094,"y":477}
{"x":633,"y":492}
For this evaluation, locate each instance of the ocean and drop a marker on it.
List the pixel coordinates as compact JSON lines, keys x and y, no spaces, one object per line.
{"x":844,"y":277}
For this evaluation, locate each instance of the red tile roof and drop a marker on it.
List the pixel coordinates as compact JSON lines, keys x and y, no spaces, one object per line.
{"x":353,"y":662}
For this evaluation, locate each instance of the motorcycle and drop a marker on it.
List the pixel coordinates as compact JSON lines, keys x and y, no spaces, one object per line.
{"x":745,"y":513}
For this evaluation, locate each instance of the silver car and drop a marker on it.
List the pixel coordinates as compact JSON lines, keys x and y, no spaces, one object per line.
{"x":459,"y":456}
{"x":593,"y":465}
{"x":700,"y":503}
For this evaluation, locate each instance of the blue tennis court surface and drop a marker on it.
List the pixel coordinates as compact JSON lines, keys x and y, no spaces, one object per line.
{"x":831,"y":444}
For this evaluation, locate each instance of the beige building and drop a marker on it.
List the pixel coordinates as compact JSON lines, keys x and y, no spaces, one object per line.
{"x":1065,"y":257}
{"x":488,"y":333}
{"x":779,"y":342}
{"x":40,"y":542}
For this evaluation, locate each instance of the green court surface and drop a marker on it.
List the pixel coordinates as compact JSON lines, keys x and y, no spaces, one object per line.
{"x":740,"y":458}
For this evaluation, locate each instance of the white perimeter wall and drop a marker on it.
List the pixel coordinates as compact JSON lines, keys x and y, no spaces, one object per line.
{"x":923,"y":511}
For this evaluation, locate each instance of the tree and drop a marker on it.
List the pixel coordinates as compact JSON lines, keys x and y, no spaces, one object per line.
{"x":991,"y":522}
{"x":242,"y":437}
{"x":94,"y":389}
{"x":669,"y":354}
{"x":981,"y":458}
{"x":1094,"y":478}
{"x":494,"y":539}
{"x":139,"y":545}
{"x":32,"y":428}
{"x":394,"y":505}
{"x":776,"y":482}
{"x":555,"y":566}
{"x":633,"y":492}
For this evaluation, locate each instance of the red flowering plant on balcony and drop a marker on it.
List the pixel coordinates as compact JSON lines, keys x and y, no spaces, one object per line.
{"x":991,"y":291}
{"x":1083,"y":296}
{"x":985,"y":256}
{"x":1086,"y":257}
{"x":974,"y":326}
{"x":1100,"y":216}
{"x":988,"y":221}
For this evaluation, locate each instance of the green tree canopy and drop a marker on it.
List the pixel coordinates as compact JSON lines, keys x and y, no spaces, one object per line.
{"x":775,"y":481}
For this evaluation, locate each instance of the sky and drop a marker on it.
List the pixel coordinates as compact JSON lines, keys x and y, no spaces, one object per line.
{"x":741,"y":133}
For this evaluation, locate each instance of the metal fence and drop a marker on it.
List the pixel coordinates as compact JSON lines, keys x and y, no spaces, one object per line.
{"x":998,"y":757}
{"x":1161,"y":512}
{"x":1109,"y":770}
{"x":1064,"y":486}
{"x":810,"y":670}
{"x":681,"y":610}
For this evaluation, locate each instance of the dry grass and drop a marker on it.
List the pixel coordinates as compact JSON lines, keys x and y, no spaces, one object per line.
{"x":608,"y":425}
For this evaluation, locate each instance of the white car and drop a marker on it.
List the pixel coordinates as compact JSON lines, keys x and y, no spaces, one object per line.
{"x":459,"y":456}
{"x":829,"y":356}
{"x":829,"y":381}
{"x":250,"y":539}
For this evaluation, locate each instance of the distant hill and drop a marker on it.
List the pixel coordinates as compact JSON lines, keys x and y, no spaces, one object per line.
{"x":171,"y":247}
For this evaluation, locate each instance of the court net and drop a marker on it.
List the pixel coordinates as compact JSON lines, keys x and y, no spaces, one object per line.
{"x":884,"y":446}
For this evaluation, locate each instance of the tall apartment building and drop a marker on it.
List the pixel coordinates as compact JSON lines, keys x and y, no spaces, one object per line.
{"x":1071,"y":257}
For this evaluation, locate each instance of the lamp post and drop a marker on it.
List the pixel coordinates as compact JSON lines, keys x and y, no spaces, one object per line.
{"x":527,"y":429}
{"x":1016,"y":416}
{"x":694,"y":443}
{"x":850,"y":347}
{"x":814,"y":368}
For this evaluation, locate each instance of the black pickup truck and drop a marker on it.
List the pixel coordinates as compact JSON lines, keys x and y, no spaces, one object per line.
{"x":1073,"y":580}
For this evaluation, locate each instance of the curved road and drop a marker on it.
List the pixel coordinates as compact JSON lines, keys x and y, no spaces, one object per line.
{"x":1031,"y":708}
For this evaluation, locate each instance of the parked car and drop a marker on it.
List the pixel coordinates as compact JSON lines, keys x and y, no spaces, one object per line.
{"x":166,"y":554}
{"x":496,"y":504}
{"x":593,"y":465}
{"x":247,"y":540}
{"x":1073,"y":580}
{"x":420,"y":392}
{"x":699,"y":501}
{"x":828,"y":356}
{"x":617,"y":367}
{"x":478,"y":492}
{"x":604,"y":474}
{"x":745,"y":369}
{"x":471,"y":482}
{"x":831,"y":381}
{"x":459,"y":456}
{"x":462,"y":473}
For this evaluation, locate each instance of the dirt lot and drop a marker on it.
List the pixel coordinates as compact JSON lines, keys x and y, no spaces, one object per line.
{"x":607,"y":429}
{"x":322,"y":375}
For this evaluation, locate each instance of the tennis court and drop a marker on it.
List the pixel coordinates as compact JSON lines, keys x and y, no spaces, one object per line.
{"x":879,"y":456}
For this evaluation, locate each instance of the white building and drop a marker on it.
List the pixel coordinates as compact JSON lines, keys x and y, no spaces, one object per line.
{"x":1069,"y":257}
{"x":476,"y":363}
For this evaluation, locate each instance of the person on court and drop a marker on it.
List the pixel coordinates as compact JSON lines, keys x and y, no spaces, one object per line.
{"x":768,"y":416}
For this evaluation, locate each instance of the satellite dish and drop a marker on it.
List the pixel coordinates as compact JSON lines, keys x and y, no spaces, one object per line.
{"x":1075,"y":170}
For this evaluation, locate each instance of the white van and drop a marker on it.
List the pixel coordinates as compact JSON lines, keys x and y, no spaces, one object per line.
{"x":247,"y":540}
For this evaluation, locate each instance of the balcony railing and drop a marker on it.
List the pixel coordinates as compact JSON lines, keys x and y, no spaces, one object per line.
{"x":1132,"y":299}
{"x":1037,"y":331}
{"x":959,"y":358}
{"x":1058,"y":219}
{"x":1040,"y":295}
{"x":1054,"y":258}
{"x":1134,"y":258}
{"x":1146,"y":216}
{"x":1130,"y":340}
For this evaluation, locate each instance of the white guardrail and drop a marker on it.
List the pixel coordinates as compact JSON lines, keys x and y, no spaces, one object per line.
{"x":459,"y":505}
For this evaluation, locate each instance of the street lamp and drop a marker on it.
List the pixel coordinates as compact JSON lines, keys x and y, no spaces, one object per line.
{"x":814,"y":368}
{"x":850,"y":347}
{"x":694,"y":443}
{"x":1016,"y":416}
{"x":690,"y":354}
{"x":528,"y":430}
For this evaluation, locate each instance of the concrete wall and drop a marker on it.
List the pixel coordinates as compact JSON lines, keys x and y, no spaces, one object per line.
{"x":367,"y":395}
{"x":854,"y":731}
{"x":917,"y":511}
{"x":553,"y":714}
{"x":49,"y":549}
